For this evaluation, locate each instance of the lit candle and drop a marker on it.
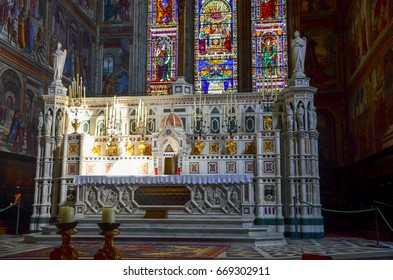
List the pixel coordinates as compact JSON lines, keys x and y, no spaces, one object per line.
{"x":66,"y":214}
{"x":108,"y":215}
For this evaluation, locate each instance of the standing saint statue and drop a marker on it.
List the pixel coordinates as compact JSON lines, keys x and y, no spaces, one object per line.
{"x":48,"y":123}
{"x":298,"y":45}
{"x":59,"y":57}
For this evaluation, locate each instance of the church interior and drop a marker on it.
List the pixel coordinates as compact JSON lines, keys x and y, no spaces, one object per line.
{"x":201,"y":111}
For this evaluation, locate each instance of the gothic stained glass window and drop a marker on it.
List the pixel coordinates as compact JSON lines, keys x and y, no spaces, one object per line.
{"x":162,"y":45}
{"x":215,"y":43}
{"x":269,"y":44}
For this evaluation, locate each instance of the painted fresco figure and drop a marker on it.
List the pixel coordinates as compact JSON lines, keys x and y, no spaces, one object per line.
{"x":15,"y":126}
{"x":59,"y":57}
{"x":298,"y":45}
{"x":163,"y":60}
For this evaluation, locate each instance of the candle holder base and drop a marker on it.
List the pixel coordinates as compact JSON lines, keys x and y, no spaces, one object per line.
{"x":109,"y":251}
{"x":65,"y":251}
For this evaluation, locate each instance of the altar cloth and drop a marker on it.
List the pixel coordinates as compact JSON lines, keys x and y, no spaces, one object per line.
{"x":189,"y":179}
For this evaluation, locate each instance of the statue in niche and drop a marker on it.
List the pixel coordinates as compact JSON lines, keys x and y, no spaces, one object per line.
{"x":299,"y":117}
{"x":59,"y":123}
{"x":59,"y":57}
{"x":289,"y":118}
{"x":48,"y":123}
{"x":312,"y":116}
{"x":298,"y":45}
{"x":40,"y":122}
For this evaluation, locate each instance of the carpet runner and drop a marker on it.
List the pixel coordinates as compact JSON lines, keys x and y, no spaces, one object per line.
{"x":87,"y":251}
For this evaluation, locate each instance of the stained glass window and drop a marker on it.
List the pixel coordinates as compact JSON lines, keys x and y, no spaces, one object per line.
{"x":269,"y":44}
{"x":162,"y":45}
{"x":215,"y":43}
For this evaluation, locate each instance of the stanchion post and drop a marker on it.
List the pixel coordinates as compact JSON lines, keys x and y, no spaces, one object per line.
{"x":295,"y":216}
{"x":376,"y":221}
{"x":17,"y":217}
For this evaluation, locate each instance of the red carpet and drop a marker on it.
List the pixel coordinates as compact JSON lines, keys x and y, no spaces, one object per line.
{"x":87,"y":251}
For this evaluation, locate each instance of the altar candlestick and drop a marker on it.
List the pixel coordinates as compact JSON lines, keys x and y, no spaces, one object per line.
{"x":108,"y":215}
{"x":66,"y":214}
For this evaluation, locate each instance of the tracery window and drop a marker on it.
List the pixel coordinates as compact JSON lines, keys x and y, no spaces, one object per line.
{"x":215,"y":41}
{"x":162,"y":45}
{"x":269,"y":44}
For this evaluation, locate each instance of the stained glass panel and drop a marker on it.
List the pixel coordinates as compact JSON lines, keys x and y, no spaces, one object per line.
{"x":162,"y":45}
{"x":269,"y":44}
{"x":215,"y":43}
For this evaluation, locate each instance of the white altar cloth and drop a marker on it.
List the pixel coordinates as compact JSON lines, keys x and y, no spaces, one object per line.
{"x":165,"y":179}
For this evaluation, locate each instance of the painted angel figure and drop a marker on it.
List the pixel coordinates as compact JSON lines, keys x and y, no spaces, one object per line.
{"x":298,"y":45}
{"x":59,"y":57}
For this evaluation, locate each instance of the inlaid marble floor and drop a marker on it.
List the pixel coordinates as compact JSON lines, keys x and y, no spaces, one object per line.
{"x":337,"y":248}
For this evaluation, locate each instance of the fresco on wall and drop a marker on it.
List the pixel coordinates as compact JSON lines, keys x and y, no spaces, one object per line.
{"x":371,"y":111}
{"x":115,"y":75}
{"x":87,"y":6}
{"x":116,"y":11}
{"x":321,"y":58}
{"x":381,"y":14}
{"x":78,"y":43}
{"x":18,"y":112}
{"x":21,"y":26}
{"x":317,"y":6}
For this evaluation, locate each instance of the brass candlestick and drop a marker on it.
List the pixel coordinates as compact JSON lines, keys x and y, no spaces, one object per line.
{"x":76,"y":124}
{"x":109,"y":251}
{"x":65,"y":251}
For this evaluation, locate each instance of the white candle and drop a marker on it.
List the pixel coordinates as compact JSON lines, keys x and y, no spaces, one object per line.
{"x":66,"y":214}
{"x":108,"y":215}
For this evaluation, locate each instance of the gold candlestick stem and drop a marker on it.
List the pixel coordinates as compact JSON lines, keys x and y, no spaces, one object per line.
{"x":65,"y":251}
{"x":109,"y":251}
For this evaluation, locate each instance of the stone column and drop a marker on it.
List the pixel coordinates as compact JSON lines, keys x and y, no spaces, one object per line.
{"x":138,"y":55}
{"x":259,"y":177}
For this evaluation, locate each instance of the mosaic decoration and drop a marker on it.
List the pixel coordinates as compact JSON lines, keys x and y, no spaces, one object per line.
{"x":250,"y":167}
{"x":73,"y":149}
{"x":194,"y":167}
{"x":268,"y":167}
{"x":268,"y":145}
{"x":269,"y":44}
{"x":213,"y":148}
{"x":250,"y":148}
{"x":215,"y":43}
{"x":162,"y":45}
{"x":212,"y":168}
{"x":143,"y":168}
{"x":270,"y":193}
{"x":72,"y":169}
{"x":231,"y":167}
{"x":90,"y":169}
{"x":108,"y":168}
